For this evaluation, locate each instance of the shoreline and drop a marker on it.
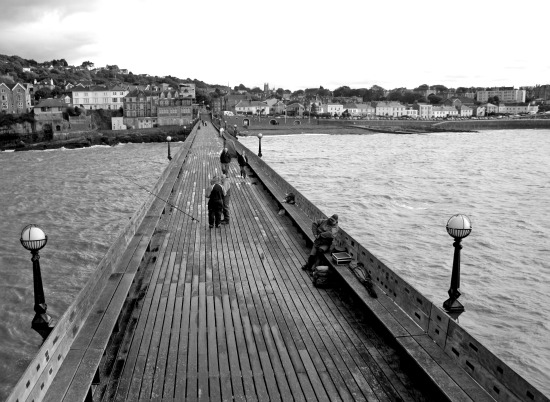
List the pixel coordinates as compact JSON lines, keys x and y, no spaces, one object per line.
{"x":332,"y":127}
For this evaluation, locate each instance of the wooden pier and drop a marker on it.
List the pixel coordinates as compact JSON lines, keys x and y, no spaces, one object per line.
{"x":178,"y":311}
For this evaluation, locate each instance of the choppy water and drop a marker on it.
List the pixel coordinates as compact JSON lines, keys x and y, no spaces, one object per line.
{"x":82,"y":203}
{"x":393,"y":193}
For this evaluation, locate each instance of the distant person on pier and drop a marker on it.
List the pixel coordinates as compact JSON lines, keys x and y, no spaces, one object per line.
{"x":226,"y":186}
{"x":324,"y":231}
{"x":215,"y":202}
{"x":225,"y":159}
{"x":242,"y":159}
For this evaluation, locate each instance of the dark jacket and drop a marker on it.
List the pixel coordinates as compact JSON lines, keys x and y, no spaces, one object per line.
{"x":225,"y":157}
{"x":242,"y":159}
{"x":215,"y":198}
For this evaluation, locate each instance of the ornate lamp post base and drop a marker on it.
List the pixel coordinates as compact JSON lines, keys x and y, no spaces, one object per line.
{"x":453,"y":307}
{"x":43,"y":324}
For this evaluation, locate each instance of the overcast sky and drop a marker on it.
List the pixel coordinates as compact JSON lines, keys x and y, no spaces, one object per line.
{"x":292,"y":44}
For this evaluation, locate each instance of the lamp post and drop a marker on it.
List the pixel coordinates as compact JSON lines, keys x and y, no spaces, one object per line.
{"x":33,"y":239}
{"x":260,"y":135}
{"x":458,"y":227}
{"x":168,"y":139}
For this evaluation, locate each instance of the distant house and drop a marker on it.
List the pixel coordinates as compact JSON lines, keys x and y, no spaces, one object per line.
{"x":490,"y":108}
{"x":425,"y":110}
{"x":230,"y":101}
{"x":391,"y":109}
{"x":517,"y":108}
{"x":278,"y":108}
{"x":444,"y":111}
{"x":51,"y":115}
{"x":366,"y":110}
{"x":117,"y":123}
{"x":99,"y":97}
{"x":295,"y":109}
{"x":352,"y":109}
{"x":458,"y":101}
{"x":332,"y":109}
{"x":252,"y":107}
{"x":47,"y":83}
{"x":465,"y":111}
{"x":14,"y":98}
{"x":478,"y":111}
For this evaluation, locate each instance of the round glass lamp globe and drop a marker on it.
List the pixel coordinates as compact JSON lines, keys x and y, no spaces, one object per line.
{"x":33,"y":238}
{"x":168,"y":138}
{"x":459,"y":226}
{"x":260,"y":135}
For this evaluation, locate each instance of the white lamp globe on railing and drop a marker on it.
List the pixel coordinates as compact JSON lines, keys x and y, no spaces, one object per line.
{"x":458,"y":226}
{"x":168,"y":139}
{"x":34,"y":239}
{"x":260,"y":135}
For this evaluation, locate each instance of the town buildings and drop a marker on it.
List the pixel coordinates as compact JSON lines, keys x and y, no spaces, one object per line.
{"x":146,"y":109}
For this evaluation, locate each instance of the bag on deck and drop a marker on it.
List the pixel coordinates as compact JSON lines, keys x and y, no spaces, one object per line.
{"x":320,"y":276}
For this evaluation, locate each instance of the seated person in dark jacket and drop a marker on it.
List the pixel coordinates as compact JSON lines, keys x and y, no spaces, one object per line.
{"x":324,"y":230}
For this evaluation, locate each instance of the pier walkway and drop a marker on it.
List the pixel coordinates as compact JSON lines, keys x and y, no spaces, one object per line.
{"x":227,"y":313}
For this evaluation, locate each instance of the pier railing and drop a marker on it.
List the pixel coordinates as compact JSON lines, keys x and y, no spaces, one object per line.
{"x":40,"y":373}
{"x":494,"y":375}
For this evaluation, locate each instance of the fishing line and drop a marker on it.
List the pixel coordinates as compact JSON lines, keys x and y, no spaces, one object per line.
{"x":143,"y":188}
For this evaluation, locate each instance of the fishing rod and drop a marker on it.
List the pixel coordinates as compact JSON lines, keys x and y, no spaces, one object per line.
{"x":143,"y":188}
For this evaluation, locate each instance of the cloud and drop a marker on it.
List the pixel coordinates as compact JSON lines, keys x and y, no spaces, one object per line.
{"x":17,"y":11}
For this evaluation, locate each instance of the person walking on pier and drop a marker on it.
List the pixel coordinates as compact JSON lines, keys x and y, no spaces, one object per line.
{"x":324,"y":231}
{"x":215,"y":202}
{"x":226,"y":186}
{"x":225,"y":159}
{"x":243,"y":161}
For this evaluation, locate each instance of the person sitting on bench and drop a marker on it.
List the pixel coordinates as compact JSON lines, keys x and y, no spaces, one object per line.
{"x":324,"y":231}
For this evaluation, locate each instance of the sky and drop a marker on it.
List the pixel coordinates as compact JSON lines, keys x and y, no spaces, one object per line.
{"x":291,"y":44}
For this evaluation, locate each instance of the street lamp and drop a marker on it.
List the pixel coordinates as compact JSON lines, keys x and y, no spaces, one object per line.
{"x":168,"y":139}
{"x":33,"y":239}
{"x":260,"y":135}
{"x":458,"y":227}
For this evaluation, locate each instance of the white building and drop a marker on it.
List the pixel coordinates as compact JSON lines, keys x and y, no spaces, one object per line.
{"x":99,"y":97}
{"x":504,"y":95}
{"x":118,"y":123}
{"x":332,"y":108}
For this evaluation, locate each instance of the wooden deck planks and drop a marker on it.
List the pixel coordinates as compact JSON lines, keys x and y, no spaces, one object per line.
{"x":229,"y":315}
